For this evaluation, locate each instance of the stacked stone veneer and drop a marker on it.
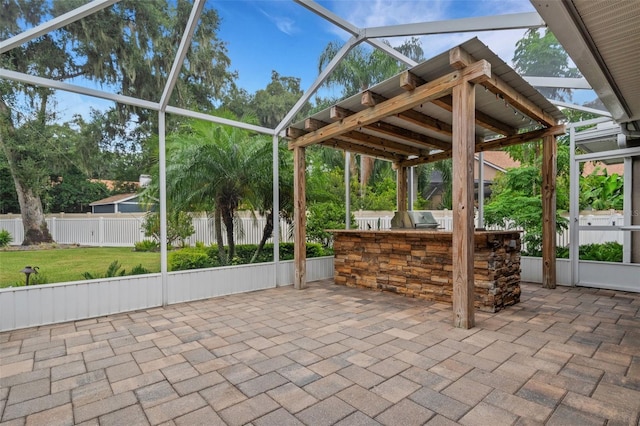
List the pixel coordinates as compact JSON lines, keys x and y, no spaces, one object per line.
{"x":419,"y":264}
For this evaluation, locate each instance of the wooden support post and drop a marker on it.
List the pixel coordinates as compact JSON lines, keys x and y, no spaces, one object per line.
{"x":463,"y":215}
{"x":401,"y":189}
{"x":549,"y":171}
{"x":300,"y":219}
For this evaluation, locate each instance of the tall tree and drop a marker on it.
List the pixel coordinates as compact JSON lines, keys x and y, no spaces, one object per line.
{"x":540,"y":54}
{"x":261,"y":195}
{"x":129,"y":48}
{"x":364,"y":66}
{"x":269,"y":105}
{"x":360,"y":69}
{"x":212,"y":168}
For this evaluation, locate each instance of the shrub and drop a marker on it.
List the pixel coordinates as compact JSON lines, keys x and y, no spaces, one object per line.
{"x":37,"y":279}
{"x":207,"y":257}
{"x":605,"y":252}
{"x":323,"y":216}
{"x":5,"y":238}
{"x":146,"y":245}
{"x":139,"y":270}
{"x":190,"y":258}
{"x":115,"y":270}
{"x":179,"y":227}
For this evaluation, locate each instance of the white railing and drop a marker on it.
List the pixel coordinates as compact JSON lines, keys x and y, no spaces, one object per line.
{"x":126,"y":231}
{"x":34,"y":306}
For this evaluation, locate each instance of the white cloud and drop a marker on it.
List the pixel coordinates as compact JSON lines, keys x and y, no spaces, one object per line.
{"x":283,"y":23}
{"x":378,"y":13}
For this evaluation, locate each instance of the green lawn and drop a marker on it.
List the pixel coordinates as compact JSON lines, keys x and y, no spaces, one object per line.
{"x":68,"y":264}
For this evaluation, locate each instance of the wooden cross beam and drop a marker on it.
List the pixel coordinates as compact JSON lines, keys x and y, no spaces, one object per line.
{"x":435,"y":89}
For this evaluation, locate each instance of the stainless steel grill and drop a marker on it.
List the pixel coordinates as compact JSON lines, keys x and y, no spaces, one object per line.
{"x":413,"y":219}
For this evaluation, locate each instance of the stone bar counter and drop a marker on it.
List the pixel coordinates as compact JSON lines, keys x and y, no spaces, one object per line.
{"x":418,"y":263}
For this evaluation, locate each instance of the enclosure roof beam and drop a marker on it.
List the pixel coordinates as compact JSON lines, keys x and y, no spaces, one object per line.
{"x":581,"y":108}
{"x":590,"y":122}
{"x":54,"y":24}
{"x":59,"y":85}
{"x":480,"y":23}
{"x":558,"y":82}
{"x":491,"y":145}
{"x":178,"y":60}
{"x":344,"y":50}
{"x":609,"y":155}
{"x":125,"y":100}
{"x":353,"y":30}
{"x":219,"y":120}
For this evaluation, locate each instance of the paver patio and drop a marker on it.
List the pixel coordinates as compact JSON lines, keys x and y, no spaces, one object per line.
{"x":332,"y":355}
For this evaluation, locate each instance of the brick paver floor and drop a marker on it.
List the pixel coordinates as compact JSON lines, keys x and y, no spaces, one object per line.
{"x":330,"y":355}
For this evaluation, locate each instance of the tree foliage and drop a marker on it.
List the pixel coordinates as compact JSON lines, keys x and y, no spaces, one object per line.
{"x":364,"y":66}
{"x":73,"y":193}
{"x":212,"y":168}
{"x":129,"y":48}
{"x":540,"y":54}
{"x":601,"y":191}
{"x":179,"y":227}
{"x":324,"y":216}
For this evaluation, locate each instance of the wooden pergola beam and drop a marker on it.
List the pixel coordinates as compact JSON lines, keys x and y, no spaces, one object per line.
{"x":549,"y":172}
{"x":300,"y":219}
{"x":385,"y":145}
{"x":407,"y":135}
{"x":462,"y":199}
{"x":363,"y":143}
{"x":437,"y":88}
{"x":360,"y":149}
{"x":409,"y":81}
{"x":459,"y":58}
{"x":482,"y":119}
{"x":371,"y":99}
{"x":337,"y":113}
{"x":402,"y":193}
{"x":492,"y":145}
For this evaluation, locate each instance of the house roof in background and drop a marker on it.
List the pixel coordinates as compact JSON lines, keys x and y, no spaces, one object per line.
{"x":500,"y":159}
{"x":114,"y":199}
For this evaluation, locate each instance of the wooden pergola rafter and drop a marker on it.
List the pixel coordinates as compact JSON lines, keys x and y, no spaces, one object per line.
{"x":396,"y":128}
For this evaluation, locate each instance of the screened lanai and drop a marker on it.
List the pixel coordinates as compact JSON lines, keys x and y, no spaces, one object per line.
{"x":504,"y":108}
{"x":206,"y":347}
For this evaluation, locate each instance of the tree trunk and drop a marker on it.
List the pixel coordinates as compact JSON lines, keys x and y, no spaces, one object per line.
{"x":266,"y":233}
{"x":366,"y":169}
{"x":217,"y":223}
{"x":227,"y":218}
{"x":35,"y":227}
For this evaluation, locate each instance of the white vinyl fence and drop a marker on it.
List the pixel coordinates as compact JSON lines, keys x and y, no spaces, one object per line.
{"x":445,"y":219}
{"x":125,"y":231}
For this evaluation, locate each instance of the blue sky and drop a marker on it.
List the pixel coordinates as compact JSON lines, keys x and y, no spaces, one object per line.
{"x":280,"y":35}
{"x":263,"y":35}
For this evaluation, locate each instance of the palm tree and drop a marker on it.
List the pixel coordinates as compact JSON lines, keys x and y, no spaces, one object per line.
{"x":360,"y":69}
{"x":261,"y":198}
{"x":212,"y":168}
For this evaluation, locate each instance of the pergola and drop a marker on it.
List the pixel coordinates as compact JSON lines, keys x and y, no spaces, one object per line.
{"x":460,"y":102}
